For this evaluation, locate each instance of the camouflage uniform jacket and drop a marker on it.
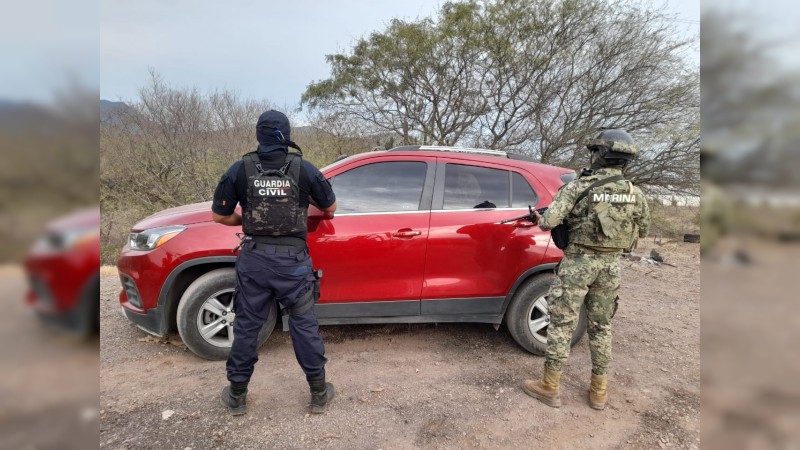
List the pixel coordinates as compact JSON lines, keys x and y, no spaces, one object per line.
{"x":620,"y":206}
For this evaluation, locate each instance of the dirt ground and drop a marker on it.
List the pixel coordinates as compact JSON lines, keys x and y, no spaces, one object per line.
{"x":421,"y":385}
{"x":48,"y":378}
{"x":751,"y":327}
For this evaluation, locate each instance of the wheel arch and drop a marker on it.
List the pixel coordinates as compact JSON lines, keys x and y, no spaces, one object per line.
{"x":180,"y":278}
{"x":527,"y":275}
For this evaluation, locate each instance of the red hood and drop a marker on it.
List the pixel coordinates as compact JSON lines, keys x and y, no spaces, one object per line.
{"x":182,"y":215}
{"x":81,"y":219}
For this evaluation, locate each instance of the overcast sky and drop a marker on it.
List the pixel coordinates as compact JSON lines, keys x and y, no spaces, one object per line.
{"x":269,"y":50}
{"x":262,"y":49}
{"x":46,"y":43}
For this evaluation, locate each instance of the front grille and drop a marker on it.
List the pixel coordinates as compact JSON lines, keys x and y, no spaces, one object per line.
{"x":130,"y":291}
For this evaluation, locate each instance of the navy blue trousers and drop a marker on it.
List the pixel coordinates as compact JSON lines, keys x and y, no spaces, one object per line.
{"x":265,"y":275}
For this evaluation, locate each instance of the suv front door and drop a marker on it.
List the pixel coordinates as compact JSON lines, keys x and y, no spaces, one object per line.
{"x":373,"y":252}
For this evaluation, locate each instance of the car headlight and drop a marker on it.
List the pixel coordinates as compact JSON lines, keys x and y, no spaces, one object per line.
{"x":63,"y":240}
{"x":153,"y":238}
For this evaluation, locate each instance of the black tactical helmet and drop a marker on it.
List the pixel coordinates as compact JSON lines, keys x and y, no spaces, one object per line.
{"x":615,"y":144}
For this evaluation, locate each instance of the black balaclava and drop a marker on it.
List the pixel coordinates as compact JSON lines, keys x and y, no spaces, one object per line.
{"x":599,"y":160}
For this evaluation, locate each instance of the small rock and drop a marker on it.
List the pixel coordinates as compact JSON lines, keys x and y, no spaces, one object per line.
{"x":655,"y":256}
{"x":166,"y":414}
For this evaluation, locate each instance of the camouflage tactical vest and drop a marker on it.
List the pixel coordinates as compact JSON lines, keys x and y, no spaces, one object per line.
{"x":604,"y":218}
{"x":273,"y":198}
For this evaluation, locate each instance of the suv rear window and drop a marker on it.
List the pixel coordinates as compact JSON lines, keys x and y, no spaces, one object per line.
{"x":522,"y":194}
{"x":467,"y":187}
{"x":380,"y":187}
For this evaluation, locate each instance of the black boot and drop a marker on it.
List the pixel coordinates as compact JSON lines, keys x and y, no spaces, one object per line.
{"x":234,"y":397}
{"x":321,"y":394}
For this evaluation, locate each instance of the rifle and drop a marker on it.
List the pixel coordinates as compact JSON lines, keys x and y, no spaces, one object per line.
{"x":530,"y":217}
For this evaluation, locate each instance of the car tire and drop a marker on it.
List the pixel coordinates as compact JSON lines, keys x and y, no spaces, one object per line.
{"x":527,"y":315}
{"x":194,"y":312}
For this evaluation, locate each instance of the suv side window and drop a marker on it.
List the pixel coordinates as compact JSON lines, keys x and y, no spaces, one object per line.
{"x":380,"y":187}
{"x":468,"y":187}
{"x":522,"y":194}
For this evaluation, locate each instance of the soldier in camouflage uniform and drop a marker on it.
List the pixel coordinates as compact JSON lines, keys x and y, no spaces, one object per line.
{"x":608,"y":219}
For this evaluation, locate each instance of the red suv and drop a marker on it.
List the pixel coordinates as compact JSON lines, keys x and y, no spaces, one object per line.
{"x":416,"y":238}
{"x":63,"y":273}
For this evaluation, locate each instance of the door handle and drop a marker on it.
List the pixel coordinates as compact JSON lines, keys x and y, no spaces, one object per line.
{"x":406,"y":233}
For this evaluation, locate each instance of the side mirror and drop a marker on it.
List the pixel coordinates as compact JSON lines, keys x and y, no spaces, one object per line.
{"x":315,"y":213}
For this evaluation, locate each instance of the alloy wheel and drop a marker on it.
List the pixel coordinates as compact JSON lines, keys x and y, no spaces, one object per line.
{"x":215,"y":319}
{"x":538,"y":319}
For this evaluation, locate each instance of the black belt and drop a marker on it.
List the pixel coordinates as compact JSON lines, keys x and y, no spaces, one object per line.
{"x":274,"y":244}
{"x":275,"y":248}
{"x":278,"y":240}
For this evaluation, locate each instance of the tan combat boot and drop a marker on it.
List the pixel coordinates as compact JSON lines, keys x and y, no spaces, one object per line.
{"x":546,"y":389}
{"x":598,"y":391}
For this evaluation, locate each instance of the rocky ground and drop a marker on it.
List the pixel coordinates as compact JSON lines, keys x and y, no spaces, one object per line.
{"x":421,"y":385}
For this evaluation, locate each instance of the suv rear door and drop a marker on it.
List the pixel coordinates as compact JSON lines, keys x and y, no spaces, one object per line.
{"x":473,"y":260}
{"x":373,"y":251}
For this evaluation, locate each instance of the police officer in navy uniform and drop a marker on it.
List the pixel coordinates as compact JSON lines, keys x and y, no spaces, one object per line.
{"x":274,"y":187}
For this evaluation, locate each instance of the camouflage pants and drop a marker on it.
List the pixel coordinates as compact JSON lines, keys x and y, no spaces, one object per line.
{"x":583,"y":279}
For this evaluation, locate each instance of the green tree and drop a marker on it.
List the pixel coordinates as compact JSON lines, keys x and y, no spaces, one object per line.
{"x":538,"y":76}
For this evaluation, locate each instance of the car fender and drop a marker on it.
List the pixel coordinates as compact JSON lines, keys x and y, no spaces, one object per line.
{"x":168,"y":298}
{"x":532,"y":272}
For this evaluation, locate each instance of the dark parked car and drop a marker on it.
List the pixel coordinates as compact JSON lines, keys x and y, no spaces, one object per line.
{"x":416,"y":238}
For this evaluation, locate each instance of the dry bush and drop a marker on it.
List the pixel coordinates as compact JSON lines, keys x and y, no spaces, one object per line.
{"x":170,"y":147}
{"x":671,"y":222}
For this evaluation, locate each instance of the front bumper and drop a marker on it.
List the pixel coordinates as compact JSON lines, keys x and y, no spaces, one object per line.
{"x":141,"y":276}
{"x":151,"y":321}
